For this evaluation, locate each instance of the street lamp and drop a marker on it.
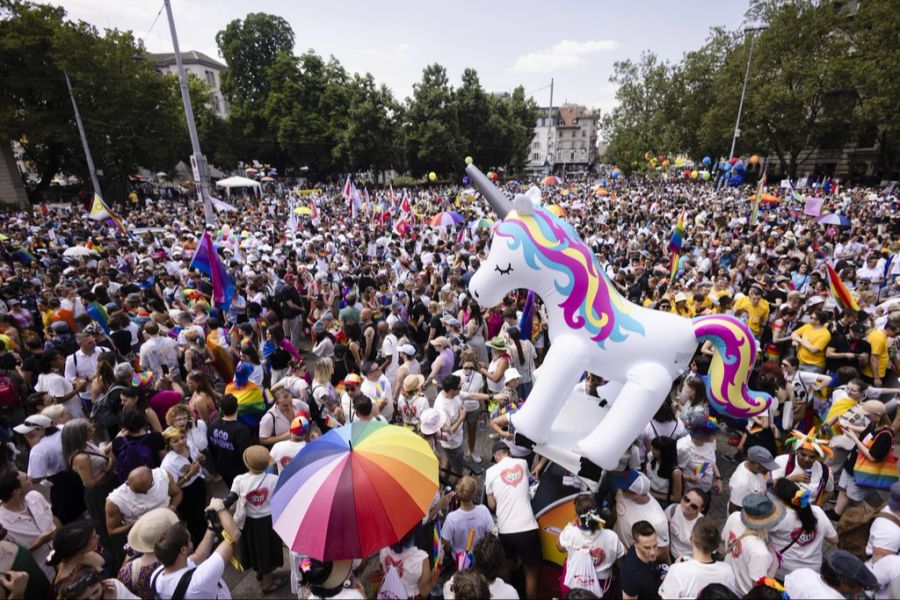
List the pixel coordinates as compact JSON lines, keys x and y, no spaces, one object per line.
{"x":737,"y":123}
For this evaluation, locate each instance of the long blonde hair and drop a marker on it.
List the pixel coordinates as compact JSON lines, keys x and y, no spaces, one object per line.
{"x":323,"y":371}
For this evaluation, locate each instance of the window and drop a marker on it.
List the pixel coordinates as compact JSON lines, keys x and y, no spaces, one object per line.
{"x":535,"y":157}
{"x":584,"y":133}
{"x":210,"y":78}
{"x":575,"y":122}
{"x":216,"y":104}
{"x":536,"y":145}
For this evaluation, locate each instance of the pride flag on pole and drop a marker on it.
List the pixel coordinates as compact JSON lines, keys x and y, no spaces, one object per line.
{"x":207,"y":261}
{"x":351,"y":195}
{"x":675,"y":244}
{"x":101,"y":212}
{"x":840,"y":292}
{"x":754,"y":211}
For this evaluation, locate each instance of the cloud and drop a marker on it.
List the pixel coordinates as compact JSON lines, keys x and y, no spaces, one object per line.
{"x":401,"y":51}
{"x":565,"y":54}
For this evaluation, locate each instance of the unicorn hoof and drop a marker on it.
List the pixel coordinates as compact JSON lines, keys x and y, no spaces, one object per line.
{"x":589,"y":470}
{"x":521,"y":440}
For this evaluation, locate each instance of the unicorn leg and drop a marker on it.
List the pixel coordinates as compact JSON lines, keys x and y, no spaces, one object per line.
{"x":566,"y":360}
{"x":645,"y":388}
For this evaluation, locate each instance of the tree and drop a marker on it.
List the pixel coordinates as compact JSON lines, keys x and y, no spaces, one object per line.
{"x":371,"y":139}
{"x":479,"y":134}
{"x":522,"y":117}
{"x":432,"y":126}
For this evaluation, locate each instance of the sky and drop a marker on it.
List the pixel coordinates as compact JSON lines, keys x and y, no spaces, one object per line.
{"x":508,"y":42}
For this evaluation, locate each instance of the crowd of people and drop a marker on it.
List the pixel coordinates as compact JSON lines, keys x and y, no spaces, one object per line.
{"x":145,"y":427}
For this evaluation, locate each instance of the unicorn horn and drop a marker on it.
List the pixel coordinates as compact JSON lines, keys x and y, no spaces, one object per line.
{"x":491,"y":192}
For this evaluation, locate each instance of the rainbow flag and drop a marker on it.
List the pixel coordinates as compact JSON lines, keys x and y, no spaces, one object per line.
{"x":98,"y":313}
{"x":101,"y":212}
{"x":754,"y":211}
{"x":25,"y":256}
{"x":251,"y":405}
{"x":437,"y":548}
{"x":526,"y":323}
{"x":675,"y":244}
{"x":700,"y":469}
{"x":207,"y":261}
{"x":840,"y":292}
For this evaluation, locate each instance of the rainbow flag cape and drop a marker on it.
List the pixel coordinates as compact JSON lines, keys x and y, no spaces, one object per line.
{"x":98,"y":313}
{"x":675,"y":244}
{"x":840,"y":292}
{"x":251,"y":405}
{"x":207,"y":261}
{"x":101,"y":212}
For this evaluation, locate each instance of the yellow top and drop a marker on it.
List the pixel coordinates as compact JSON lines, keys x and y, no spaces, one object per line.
{"x":758,"y":315}
{"x":878,"y":340}
{"x":818,"y":337}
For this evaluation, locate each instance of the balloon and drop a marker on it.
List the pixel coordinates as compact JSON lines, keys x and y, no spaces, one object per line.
{"x":733,"y":160}
{"x":616,"y":173}
{"x":679,"y":161}
{"x":466,"y":180}
{"x":469,"y":160}
{"x":726,"y":167}
{"x":666,"y":164}
{"x":640,"y":351}
{"x":753,"y":159}
{"x":634,"y":163}
{"x":687,"y":174}
{"x":603,"y":181}
{"x":492,"y":176}
{"x":695,"y":174}
{"x":736,"y":180}
{"x":707,"y":161}
{"x":652,"y":163}
{"x":704,"y":175}
{"x":739,"y":167}
{"x":661,"y":158}
{"x":647,"y":156}
{"x":432,"y":176}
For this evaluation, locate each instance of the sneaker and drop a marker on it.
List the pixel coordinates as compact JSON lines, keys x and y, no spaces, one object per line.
{"x":476,"y":458}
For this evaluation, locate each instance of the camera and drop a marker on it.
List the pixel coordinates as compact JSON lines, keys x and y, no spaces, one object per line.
{"x":212,"y":518}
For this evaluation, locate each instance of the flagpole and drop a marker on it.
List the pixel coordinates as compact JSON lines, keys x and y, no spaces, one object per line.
{"x":87,"y":151}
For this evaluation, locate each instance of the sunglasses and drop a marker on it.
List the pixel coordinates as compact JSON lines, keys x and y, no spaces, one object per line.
{"x":687,"y":502}
{"x":86,"y":579}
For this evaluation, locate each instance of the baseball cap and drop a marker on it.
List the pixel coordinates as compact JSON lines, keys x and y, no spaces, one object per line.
{"x":499,"y":445}
{"x":851,"y":568}
{"x":760,"y":455}
{"x":632,"y":481}
{"x":32,"y":423}
{"x":407,"y":349}
{"x":300,"y":425}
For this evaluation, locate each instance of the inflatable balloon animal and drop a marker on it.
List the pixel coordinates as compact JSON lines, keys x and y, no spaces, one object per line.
{"x":593,"y":328}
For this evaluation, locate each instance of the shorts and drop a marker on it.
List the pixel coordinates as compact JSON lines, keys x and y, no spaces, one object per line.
{"x":456,"y":456}
{"x":472,"y":416}
{"x":524,"y":544}
{"x":848,"y":483}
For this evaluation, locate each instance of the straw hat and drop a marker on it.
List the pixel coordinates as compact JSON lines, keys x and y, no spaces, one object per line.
{"x":497,"y":343}
{"x":440,"y":341}
{"x":412,"y":382}
{"x":147,"y":530}
{"x":256,"y":458}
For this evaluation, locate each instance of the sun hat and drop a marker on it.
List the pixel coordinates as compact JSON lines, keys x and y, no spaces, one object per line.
{"x":407,"y":349}
{"x":759,"y":512}
{"x":874,"y":407}
{"x":431,"y":421}
{"x":680,"y":297}
{"x":33,"y":422}
{"x":326,"y":575}
{"x":300,"y":426}
{"x":763,"y":457}
{"x":256,"y":458}
{"x":149,"y":527}
{"x":412,"y":382}
{"x":851,"y":568}
{"x":497,"y":343}
{"x":632,"y":481}
{"x":510,"y":374}
{"x":440,"y":341}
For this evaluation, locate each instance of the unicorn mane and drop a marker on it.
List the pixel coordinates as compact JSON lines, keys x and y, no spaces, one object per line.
{"x":591,"y":301}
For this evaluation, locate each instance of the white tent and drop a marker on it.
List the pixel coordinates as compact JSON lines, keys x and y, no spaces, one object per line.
{"x":239,"y":182}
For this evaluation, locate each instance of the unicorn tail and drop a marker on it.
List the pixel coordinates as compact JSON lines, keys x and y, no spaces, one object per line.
{"x":730,"y":367}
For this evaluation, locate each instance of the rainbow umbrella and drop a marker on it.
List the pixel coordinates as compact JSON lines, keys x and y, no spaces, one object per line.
{"x":557,"y":210}
{"x":481,"y":224}
{"x":446,"y":219}
{"x":551,"y":180}
{"x":355,"y":490}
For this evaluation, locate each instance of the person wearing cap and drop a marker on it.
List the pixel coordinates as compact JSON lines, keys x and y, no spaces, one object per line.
{"x":686,"y":578}
{"x":750,"y":477}
{"x":842,"y":576}
{"x":344,"y":411}
{"x":875,"y":443}
{"x":442,"y":365}
{"x":681,"y":306}
{"x":26,"y":516}
{"x":142,"y":538}
{"x":746,"y":536}
{"x":408,"y":366}
{"x":697,"y":454}
{"x":799,"y":539}
{"x":258,"y":549}
{"x":757,"y":309}
{"x":377,"y":387}
{"x":283,"y":452}
{"x":506,"y":493}
{"x":811,"y":340}
{"x":634,"y":503}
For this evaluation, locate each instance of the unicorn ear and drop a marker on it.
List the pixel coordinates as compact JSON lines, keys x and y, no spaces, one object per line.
{"x":523,"y":205}
{"x":534,"y":192}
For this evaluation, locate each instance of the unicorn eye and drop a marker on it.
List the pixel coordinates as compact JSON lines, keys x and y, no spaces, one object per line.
{"x":505,"y":271}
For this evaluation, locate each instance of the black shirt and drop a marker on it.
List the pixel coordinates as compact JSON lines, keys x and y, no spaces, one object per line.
{"x":289,"y":292}
{"x":639,"y":579}
{"x":227,"y":442}
{"x":841,"y":344}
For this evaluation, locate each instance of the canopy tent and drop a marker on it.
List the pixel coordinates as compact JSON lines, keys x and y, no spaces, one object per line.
{"x":239,"y":182}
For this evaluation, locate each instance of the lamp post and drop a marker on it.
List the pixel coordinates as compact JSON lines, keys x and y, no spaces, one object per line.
{"x":737,"y":123}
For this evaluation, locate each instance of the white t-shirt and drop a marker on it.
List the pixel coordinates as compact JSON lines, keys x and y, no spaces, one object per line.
{"x":459,"y":522}
{"x":884,"y":534}
{"x":284,"y":452}
{"x":680,"y":529}
{"x":498,"y":589}
{"x":630,"y":512}
{"x":749,"y":557}
{"x":470,"y":381}
{"x":408,"y":564}
{"x":887,"y":571}
{"x":177,"y":465}
{"x":379,"y":391}
{"x":451,"y":408}
{"x":507,"y":482}
{"x":57,"y":386}
{"x":690,"y":455}
{"x":807,"y":552}
{"x":603,"y":545}
{"x":206,"y":582}
{"x":46,"y":458}
{"x":688,"y":577}
{"x":743,"y":483}
{"x":806,"y":583}
{"x":254,"y":492}
{"x":815,"y":477}
{"x":411,"y":409}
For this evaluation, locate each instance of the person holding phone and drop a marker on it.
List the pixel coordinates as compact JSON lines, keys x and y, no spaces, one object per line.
{"x":182,"y":462}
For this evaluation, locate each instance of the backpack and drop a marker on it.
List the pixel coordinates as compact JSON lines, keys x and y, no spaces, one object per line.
{"x":280,"y":359}
{"x":9,"y":391}
{"x":853,"y":528}
{"x":132,"y":454}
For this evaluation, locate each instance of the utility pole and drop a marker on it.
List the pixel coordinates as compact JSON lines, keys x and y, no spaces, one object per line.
{"x":199,"y":165}
{"x":737,"y":124}
{"x":550,"y":145}
{"x":84,"y":143}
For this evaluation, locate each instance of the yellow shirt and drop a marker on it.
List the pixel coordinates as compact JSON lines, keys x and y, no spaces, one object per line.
{"x":757,"y":315}
{"x":878,"y":340}
{"x":815,"y":337}
{"x":838,"y":408}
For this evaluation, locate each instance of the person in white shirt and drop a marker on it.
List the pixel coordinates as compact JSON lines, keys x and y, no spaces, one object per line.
{"x":449,"y":403}
{"x":884,"y":535}
{"x":26,"y":516}
{"x":634,"y":503}
{"x":588,"y":532}
{"x":690,"y":575}
{"x":697,"y":455}
{"x":683,"y":517}
{"x":377,"y":386}
{"x":745,"y":537}
{"x":158,"y":351}
{"x":412,"y":402}
{"x":51,"y":363}
{"x":750,"y":476}
{"x":506,"y":490}
{"x":488,"y":562}
{"x":178,"y":555}
{"x":843,"y":576}
{"x":144,"y":490}
{"x":803,"y":467}
{"x":799,"y":539}
{"x":390,"y":350}
{"x":82,"y":365}
{"x":283,"y":452}
{"x":471,"y":384}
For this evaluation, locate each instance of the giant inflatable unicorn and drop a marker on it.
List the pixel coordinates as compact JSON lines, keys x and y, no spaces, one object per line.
{"x":593,"y":328}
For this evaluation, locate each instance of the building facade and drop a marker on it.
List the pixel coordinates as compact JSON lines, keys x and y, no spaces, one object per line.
{"x":565,"y":141}
{"x":208,"y":70}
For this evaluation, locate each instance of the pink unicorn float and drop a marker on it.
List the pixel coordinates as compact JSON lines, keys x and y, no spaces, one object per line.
{"x":592,"y":327}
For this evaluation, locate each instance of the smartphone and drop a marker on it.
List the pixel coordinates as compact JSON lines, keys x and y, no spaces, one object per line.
{"x":165,"y":369}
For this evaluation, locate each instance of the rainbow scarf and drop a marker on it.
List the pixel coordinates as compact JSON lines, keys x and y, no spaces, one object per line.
{"x":251,"y":405}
